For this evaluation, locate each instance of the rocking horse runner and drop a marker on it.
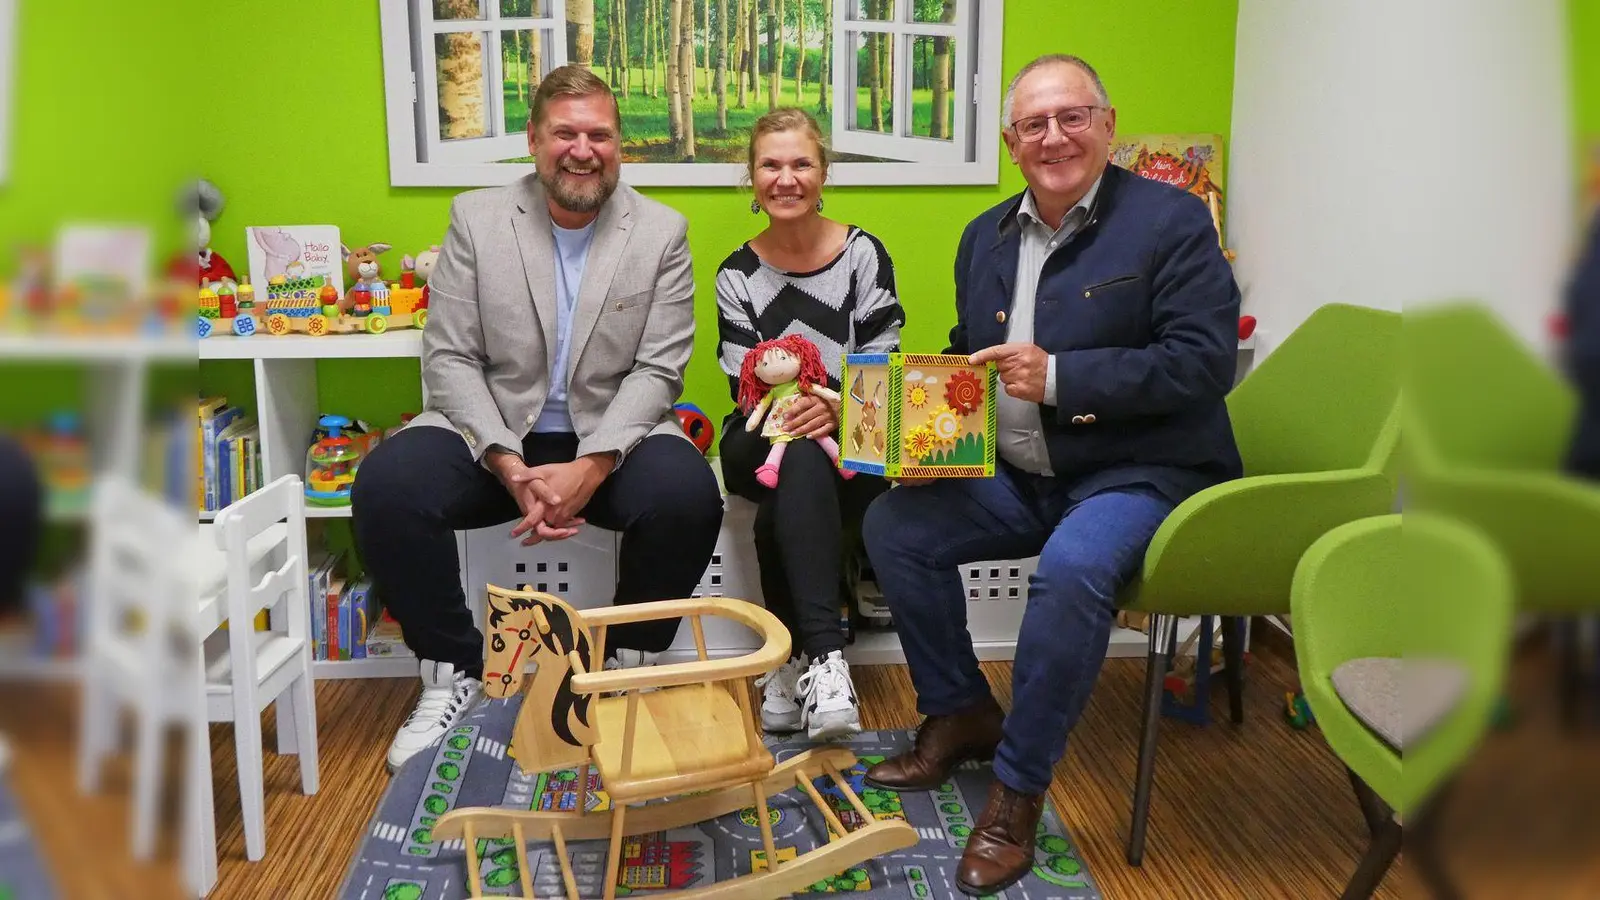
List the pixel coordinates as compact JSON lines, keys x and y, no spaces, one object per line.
{"x":682,"y":734}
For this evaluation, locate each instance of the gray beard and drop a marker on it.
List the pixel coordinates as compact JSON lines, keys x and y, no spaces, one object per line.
{"x":578,"y":201}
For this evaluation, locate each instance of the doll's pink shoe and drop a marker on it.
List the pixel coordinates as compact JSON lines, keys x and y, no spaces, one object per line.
{"x":767,"y":475}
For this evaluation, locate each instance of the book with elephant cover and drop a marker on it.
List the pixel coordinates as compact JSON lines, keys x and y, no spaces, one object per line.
{"x":290,"y":261}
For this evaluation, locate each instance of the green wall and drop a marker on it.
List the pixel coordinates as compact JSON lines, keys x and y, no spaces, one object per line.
{"x":93,"y":140}
{"x":299,"y":138}
{"x":1584,"y":33}
{"x":106,"y":121}
{"x":1168,"y":65}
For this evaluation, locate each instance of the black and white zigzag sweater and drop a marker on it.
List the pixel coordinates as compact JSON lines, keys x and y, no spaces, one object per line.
{"x":847,"y":306}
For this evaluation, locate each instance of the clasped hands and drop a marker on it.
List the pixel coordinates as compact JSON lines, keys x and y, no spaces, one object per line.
{"x":550,"y":495}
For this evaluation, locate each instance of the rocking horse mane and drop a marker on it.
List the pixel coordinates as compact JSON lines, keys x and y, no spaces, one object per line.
{"x":514,"y":612}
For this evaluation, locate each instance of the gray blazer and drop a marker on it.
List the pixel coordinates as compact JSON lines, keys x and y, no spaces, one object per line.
{"x":491,"y":335}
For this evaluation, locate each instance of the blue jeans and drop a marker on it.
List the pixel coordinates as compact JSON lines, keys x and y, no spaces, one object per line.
{"x":918,"y":537}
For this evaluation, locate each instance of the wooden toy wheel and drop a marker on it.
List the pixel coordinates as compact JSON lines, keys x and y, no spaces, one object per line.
{"x":421,"y":318}
{"x":203,"y":327}
{"x":278,"y":324}
{"x":377,"y":324}
{"x":317,"y":325}
{"x":244,"y":325}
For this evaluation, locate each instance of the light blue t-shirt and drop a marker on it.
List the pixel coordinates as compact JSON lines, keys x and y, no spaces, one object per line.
{"x":572,"y":253}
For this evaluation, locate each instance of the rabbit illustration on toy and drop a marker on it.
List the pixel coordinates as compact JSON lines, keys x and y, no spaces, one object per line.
{"x":866,"y":428}
{"x":772,"y":379}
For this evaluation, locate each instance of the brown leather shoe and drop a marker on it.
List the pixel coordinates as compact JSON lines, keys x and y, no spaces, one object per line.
{"x":1000,"y":849}
{"x":943,"y":742}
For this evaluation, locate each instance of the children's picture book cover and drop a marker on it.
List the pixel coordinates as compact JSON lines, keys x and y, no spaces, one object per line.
{"x":918,"y":416}
{"x":286,"y":259}
{"x":1192,"y":162}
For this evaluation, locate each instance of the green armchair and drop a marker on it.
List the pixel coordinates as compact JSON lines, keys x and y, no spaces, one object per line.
{"x":1317,"y":424}
{"x":1487,"y":426}
{"x":1402,"y":641}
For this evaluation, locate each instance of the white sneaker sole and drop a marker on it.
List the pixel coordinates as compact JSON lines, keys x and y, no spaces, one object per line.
{"x":394,"y":767}
{"x":832,"y":727}
{"x":780,"y":723}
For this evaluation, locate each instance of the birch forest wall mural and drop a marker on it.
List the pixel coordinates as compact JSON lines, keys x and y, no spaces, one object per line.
{"x":692,"y":76}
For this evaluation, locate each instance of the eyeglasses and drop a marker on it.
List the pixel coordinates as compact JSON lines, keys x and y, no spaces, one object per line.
{"x":1072,"y":120}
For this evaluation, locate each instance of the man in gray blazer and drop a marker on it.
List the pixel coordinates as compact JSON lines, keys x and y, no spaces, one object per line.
{"x":562,"y":315}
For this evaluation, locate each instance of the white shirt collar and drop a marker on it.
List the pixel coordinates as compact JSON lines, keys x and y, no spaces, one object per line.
{"x":1031,"y":210}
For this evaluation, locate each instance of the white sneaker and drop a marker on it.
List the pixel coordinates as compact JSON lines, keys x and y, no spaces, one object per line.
{"x":447,"y":695}
{"x":780,"y":713}
{"x":631,"y":659}
{"x":828,"y":699}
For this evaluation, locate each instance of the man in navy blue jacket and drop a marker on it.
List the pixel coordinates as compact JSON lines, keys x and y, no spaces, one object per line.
{"x":1583,"y":354}
{"x":1112,"y":315}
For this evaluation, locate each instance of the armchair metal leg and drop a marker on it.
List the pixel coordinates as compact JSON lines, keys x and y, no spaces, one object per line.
{"x":1373,"y":809}
{"x":1569,"y":669}
{"x":1233,"y":628}
{"x":1380,"y":855}
{"x":1163,"y":629}
{"x":1387,"y":836}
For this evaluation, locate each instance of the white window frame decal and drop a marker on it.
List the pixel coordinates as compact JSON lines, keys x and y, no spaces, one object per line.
{"x":418,"y":158}
{"x":901,"y":143}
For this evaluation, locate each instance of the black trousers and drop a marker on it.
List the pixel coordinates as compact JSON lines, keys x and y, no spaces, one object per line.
{"x":799,"y":529}
{"x":21,"y":521}
{"x":421,"y":486}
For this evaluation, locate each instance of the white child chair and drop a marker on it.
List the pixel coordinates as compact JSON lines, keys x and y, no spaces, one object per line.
{"x":142,"y":653}
{"x":180,"y":585}
{"x":258,"y":668}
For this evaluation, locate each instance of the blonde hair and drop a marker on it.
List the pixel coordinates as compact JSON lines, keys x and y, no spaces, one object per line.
{"x":787,"y":118}
{"x":571,"y":80}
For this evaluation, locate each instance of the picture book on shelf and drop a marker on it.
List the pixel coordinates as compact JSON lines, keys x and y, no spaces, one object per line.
{"x":286,"y":260}
{"x":1192,"y":162}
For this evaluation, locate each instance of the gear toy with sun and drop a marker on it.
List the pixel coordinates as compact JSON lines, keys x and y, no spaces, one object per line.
{"x":919,"y":415}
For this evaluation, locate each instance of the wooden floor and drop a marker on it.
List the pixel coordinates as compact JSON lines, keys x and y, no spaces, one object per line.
{"x":1258,"y":811}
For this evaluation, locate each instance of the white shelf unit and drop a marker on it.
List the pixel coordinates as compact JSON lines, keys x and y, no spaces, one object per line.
{"x":286,"y":408}
{"x":113,"y":414}
{"x":400,"y":343}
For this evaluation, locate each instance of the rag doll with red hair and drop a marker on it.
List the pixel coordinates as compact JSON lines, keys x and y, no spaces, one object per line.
{"x":774,"y":375}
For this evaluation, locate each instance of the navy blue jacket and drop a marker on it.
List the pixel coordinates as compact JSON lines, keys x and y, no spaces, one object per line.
{"x":1141,"y":313}
{"x":1583,"y":356}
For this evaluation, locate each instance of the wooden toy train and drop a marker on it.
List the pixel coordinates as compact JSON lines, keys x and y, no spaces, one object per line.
{"x":311,"y":306}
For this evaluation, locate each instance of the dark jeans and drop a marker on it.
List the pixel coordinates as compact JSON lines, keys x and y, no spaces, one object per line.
{"x":421,"y":486}
{"x":21,"y":521}
{"x":918,"y":537}
{"x":799,"y":530}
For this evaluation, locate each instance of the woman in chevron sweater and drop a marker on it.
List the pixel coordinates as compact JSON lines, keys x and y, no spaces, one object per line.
{"x":832,"y":284}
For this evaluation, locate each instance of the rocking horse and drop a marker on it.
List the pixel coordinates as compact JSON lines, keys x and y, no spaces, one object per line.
{"x":682,"y":736}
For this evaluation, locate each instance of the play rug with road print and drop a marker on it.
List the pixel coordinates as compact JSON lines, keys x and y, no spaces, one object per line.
{"x":22,"y":872}
{"x":398,"y":860}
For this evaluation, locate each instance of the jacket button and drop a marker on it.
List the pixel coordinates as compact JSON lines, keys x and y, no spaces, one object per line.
{"x":1000,"y":316}
{"x":1088,"y":419}
{"x":1086,"y":293}
{"x":528,"y":420}
{"x":1077,"y":420}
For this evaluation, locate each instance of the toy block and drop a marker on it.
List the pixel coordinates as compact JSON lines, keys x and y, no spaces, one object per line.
{"x":918,"y":416}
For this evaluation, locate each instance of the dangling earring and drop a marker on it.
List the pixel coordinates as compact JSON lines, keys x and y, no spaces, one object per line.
{"x":819,"y":204}
{"x":755,"y":207}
